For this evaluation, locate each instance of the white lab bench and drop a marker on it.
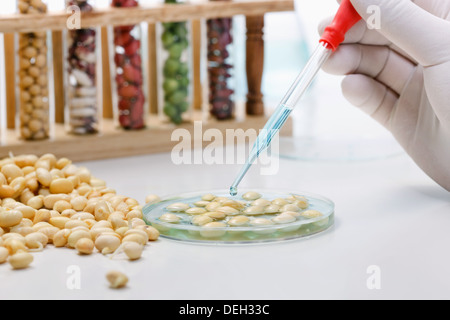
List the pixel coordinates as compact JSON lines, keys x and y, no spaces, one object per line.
{"x":388,"y":214}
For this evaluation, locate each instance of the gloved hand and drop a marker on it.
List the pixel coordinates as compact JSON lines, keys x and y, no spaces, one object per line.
{"x":400,"y":75}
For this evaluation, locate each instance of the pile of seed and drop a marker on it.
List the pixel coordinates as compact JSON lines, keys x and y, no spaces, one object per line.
{"x":45,"y":200}
{"x":252,"y":211}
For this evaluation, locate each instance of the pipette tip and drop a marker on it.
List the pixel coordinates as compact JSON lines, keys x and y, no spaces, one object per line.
{"x":233,"y":191}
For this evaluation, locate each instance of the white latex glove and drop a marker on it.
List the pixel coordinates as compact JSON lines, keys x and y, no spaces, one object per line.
{"x":400,"y":75}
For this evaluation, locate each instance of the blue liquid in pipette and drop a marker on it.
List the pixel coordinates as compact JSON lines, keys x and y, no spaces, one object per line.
{"x":271,"y":128}
{"x":263,"y":141}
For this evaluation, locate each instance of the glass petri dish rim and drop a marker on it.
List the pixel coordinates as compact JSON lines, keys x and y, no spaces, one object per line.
{"x":148,"y":208}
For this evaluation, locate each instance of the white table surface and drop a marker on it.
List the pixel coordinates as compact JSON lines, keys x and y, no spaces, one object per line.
{"x":388,"y":214}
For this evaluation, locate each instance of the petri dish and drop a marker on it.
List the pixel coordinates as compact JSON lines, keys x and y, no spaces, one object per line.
{"x":184,"y":230}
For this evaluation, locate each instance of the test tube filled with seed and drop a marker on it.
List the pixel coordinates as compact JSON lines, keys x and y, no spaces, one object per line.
{"x":83,"y":99}
{"x":33,"y":76}
{"x":220,"y":66}
{"x":128,"y":78}
{"x":174,"y":74}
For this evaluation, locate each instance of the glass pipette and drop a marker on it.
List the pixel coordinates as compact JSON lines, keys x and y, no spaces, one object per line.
{"x":333,"y":36}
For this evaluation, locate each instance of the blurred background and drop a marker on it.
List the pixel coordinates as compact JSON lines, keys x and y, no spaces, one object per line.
{"x":326,"y":126}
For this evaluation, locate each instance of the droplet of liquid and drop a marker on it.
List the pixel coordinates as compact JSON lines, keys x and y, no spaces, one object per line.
{"x":233,"y":191}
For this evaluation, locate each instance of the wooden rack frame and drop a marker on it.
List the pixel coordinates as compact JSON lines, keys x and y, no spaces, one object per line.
{"x":116,"y":142}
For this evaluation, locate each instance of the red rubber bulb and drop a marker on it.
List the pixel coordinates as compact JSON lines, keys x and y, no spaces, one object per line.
{"x":345,"y":19}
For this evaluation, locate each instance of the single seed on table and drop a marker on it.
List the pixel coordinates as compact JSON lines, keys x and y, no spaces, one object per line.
{"x":251,"y":196}
{"x":238,"y":221}
{"x":201,"y":220}
{"x":170,"y":218}
{"x":178,"y":207}
{"x":289,"y":207}
{"x":20,"y":260}
{"x":261,"y":203}
{"x":196,"y":211}
{"x":283,"y":218}
{"x":209,"y":231}
{"x":208,"y":197}
{"x":152,"y":199}
{"x":255,"y":210}
{"x":273,"y":208}
{"x":116,"y":279}
{"x":311,"y":214}
{"x":85,"y":246}
{"x":133,"y":250}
